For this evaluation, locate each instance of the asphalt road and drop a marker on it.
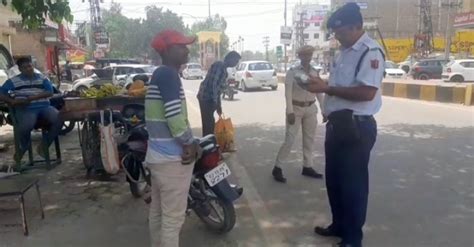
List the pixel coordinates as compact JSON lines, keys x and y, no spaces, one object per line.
{"x":421,"y":194}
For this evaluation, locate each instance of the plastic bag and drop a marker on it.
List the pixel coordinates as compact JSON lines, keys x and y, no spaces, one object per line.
{"x":224,"y":132}
{"x":108,"y":145}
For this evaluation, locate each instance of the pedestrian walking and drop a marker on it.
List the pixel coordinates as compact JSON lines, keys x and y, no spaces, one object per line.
{"x":210,"y":90}
{"x":171,"y":146}
{"x":353,"y":96}
{"x":301,"y":112}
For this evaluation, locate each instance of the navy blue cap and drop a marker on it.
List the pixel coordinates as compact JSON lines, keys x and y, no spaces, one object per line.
{"x":348,"y":14}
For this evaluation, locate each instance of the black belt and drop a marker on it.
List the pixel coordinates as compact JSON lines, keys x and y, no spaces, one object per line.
{"x":303,"y":104}
{"x":362,"y":118}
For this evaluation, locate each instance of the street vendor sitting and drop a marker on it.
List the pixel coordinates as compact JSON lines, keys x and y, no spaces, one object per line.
{"x":28,"y":94}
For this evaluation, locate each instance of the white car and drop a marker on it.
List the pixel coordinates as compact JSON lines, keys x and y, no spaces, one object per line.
{"x":393,"y":72}
{"x":148,"y":71}
{"x":256,"y":74}
{"x":84,"y":83}
{"x":459,"y":71}
{"x":122,"y":72}
{"x":192,"y":71}
{"x":122,"y":75}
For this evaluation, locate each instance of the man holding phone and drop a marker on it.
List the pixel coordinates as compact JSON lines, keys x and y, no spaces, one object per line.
{"x":301,"y":111}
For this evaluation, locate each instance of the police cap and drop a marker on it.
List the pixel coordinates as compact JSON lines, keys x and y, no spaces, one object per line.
{"x":306,"y":49}
{"x":348,"y":14}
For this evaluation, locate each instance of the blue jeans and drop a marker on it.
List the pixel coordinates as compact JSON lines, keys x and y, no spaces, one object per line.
{"x":27,"y":119}
{"x":347,"y":179}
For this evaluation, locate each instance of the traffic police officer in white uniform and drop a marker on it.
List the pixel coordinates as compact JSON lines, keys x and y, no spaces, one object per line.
{"x":353,"y":96}
{"x":301,"y":111}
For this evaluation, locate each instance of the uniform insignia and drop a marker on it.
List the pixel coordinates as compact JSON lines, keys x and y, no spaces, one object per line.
{"x":374,"y":64}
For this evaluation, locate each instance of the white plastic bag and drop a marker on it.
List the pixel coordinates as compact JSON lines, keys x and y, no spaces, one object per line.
{"x":108,"y":145}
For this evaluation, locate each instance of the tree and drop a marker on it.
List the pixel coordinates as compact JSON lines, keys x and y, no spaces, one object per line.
{"x":217,"y":24}
{"x":156,"y":21}
{"x":131,"y":38}
{"x":34,"y":12}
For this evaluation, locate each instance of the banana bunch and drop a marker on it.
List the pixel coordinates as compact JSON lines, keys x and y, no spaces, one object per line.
{"x":106,"y":90}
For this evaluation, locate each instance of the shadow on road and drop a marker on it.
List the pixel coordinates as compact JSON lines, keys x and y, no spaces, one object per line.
{"x":422,"y":194}
{"x":422,"y":191}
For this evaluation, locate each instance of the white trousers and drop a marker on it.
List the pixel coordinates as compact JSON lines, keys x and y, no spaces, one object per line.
{"x":170,"y":187}
{"x":307,"y":119}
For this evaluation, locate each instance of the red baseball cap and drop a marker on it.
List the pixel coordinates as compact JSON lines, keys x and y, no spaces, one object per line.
{"x":166,"y":38}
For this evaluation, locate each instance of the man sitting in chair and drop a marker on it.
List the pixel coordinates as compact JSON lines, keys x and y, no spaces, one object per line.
{"x":28,"y":94}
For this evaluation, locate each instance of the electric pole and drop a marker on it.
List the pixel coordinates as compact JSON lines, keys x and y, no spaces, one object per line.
{"x":300,"y":27}
{"x":424,"y":38}
{"x":449,"y":5}
{"x":266,"y":43}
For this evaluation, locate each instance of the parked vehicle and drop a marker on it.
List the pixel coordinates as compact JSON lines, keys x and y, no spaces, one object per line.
{"x":211,"y":196}
{"x":407,"y":64}
{"x":139,"y":71}
{"x":192,"y":71}
{"x":459,"y":71}
{"x":393,"y":72}
{"x":230,"y":89}
{"x":123,"y":73}
{"x":256,"y":74}
{"x":428,"y":69}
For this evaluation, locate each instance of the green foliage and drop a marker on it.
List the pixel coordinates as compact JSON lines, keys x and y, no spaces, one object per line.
{"x":131,"y":38}
{"x":34,"y":12}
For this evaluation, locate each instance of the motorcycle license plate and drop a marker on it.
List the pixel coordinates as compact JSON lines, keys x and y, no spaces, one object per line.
{"x":217,"y":174}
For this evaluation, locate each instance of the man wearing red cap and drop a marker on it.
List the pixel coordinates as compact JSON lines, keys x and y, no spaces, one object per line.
{"x":171,"y":145}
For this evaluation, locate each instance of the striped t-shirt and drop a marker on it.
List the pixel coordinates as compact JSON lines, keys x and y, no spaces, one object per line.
{"x":166,"y":117}
{"x":24,"y":86}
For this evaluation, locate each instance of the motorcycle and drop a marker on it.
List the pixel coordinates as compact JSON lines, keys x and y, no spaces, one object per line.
{"x":230,"y":89}
{"x":211,"y":196}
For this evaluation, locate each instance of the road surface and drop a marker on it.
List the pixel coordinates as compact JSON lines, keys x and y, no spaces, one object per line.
{"x":421,"y":193}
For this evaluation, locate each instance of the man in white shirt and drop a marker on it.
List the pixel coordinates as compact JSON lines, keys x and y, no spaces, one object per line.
{"x":353,"y":96}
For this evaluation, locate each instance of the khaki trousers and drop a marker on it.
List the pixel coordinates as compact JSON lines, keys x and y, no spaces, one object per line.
{"x":170,"y":188}
{"x":306,"y":118}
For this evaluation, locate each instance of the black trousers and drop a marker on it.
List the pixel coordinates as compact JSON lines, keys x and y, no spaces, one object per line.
{"x":207,"y":116}
{"x":347,"y":179}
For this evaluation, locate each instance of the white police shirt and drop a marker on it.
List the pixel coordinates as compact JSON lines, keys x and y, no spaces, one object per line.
{"x":342,"y":74}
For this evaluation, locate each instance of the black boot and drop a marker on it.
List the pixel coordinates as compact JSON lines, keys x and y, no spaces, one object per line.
{"x":310,"y":172}
{"x":329,"y":231}
{"x":278,"y":175}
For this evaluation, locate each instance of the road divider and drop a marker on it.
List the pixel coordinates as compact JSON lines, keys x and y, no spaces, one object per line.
{"x":459,"y":93}
{"x":446,"y":93}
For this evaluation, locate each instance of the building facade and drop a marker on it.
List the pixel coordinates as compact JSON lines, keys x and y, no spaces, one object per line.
{"x":401,"y":18}
{"x":307,"y":28}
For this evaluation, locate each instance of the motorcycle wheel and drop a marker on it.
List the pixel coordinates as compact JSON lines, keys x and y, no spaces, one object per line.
{"x":231,"y":96}
{"x":67,"y":127}
{"x":138,"y":180}
{"x":221,"y":217}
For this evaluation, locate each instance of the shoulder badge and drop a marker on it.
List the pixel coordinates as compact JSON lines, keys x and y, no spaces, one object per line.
{"x":374,"y":64}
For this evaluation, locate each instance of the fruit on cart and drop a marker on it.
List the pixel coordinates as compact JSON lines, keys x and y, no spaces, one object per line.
{"x":137,"y":88}
{"x":106,"y":90}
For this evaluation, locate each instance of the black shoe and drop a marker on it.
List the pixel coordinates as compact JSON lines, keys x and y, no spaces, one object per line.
{"x":310,"y":172}
{"x":278,"y":175}
{"x":329,"y":231}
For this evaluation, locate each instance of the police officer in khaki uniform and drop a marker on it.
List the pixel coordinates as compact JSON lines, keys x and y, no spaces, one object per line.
{"x":301,"y":111}
{"x":353,"y":96}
